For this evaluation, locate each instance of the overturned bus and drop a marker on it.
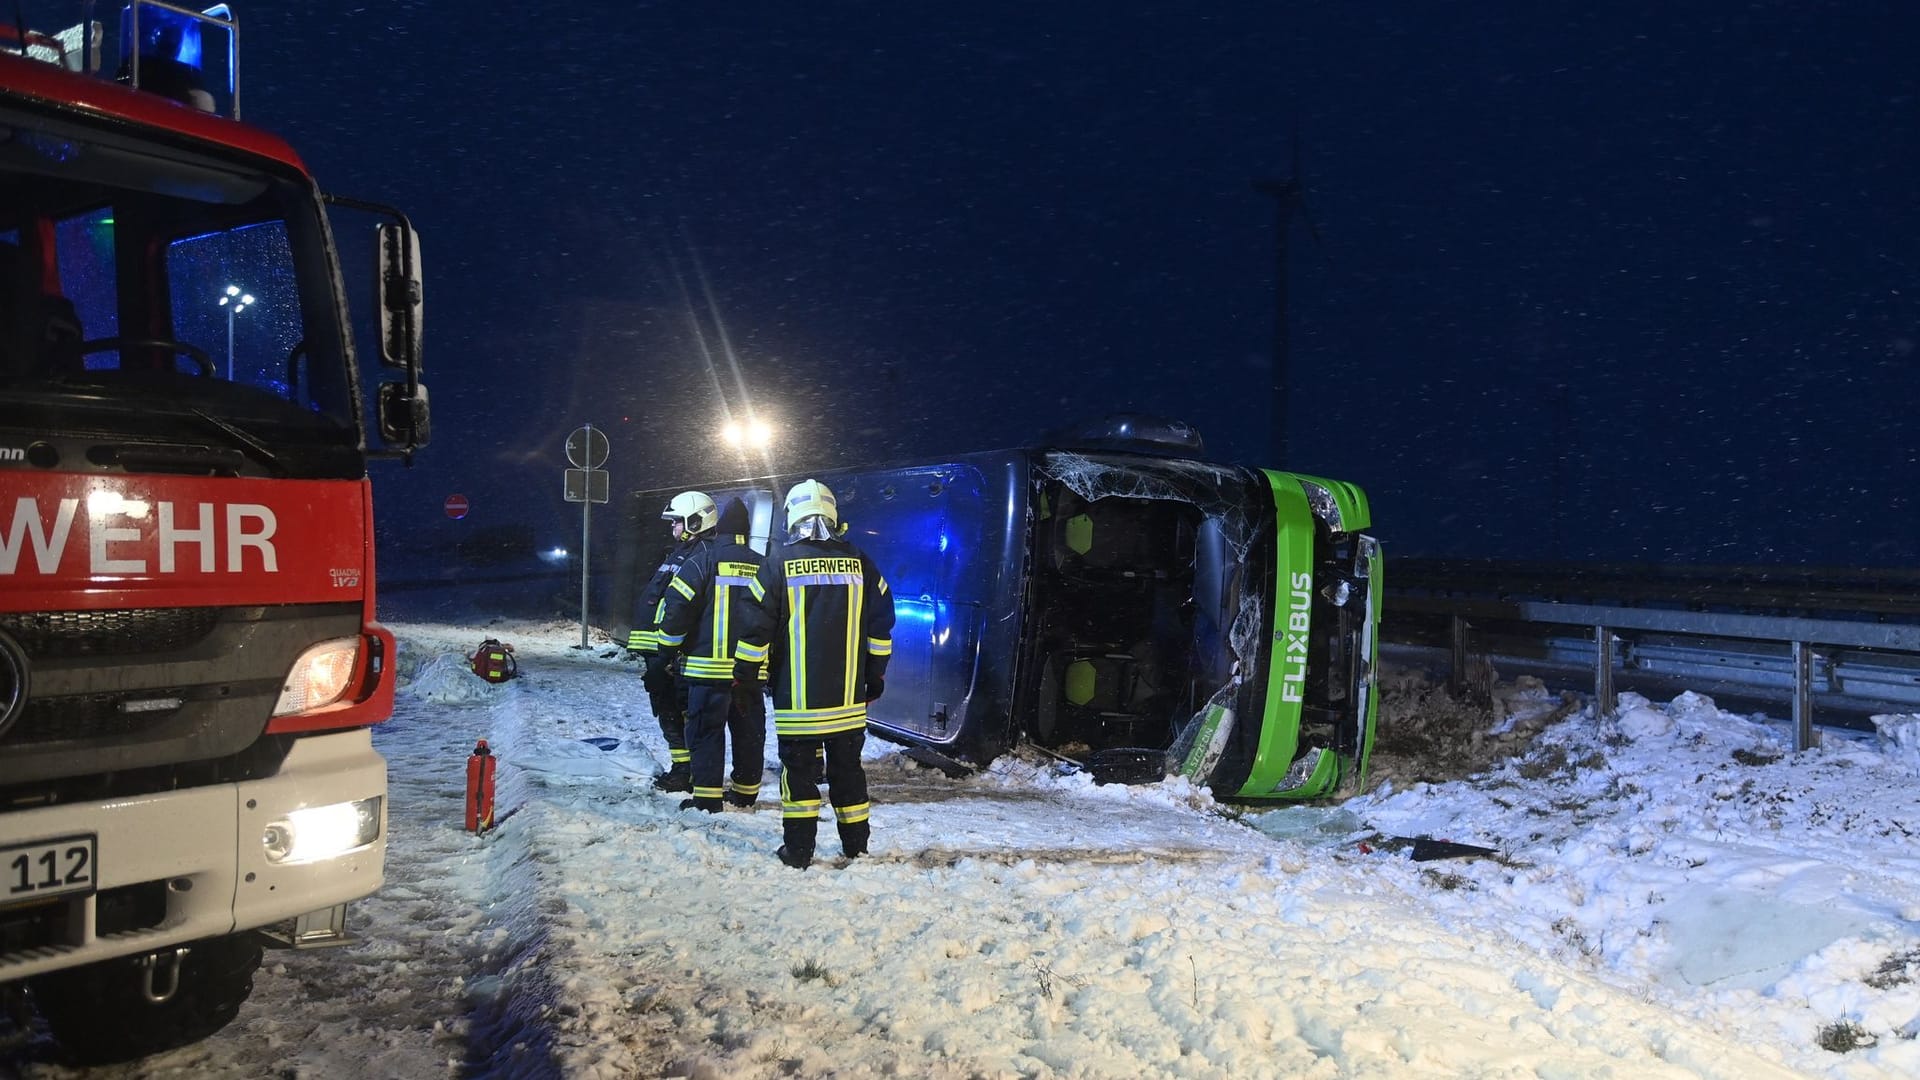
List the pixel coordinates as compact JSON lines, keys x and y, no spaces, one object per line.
{"x":1119,"y":602}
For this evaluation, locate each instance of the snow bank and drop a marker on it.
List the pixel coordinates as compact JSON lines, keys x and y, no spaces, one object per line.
{"x":1673,"y":892}
{"x":1691,"y":855}
{"x":1900,"y":739}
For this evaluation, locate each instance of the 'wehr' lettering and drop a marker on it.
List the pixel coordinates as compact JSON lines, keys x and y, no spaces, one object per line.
{"x":124,"y":539}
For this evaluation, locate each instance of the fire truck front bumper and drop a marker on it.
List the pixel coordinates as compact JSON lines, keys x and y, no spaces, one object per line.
{"x":85,"y":882}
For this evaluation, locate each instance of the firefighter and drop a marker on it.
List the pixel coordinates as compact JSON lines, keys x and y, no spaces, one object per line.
{"x":709,"y":600}
{"x":826,"y":632}
{"x":690,"y":514}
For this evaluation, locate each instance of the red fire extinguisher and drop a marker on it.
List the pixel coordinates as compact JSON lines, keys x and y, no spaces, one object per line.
{"x":480,"y":788}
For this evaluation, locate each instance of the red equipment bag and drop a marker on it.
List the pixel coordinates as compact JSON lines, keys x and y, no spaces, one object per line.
{"x":493,"y":661}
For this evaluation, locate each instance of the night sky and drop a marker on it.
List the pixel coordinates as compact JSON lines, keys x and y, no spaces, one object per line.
{"x":1597,"y":282}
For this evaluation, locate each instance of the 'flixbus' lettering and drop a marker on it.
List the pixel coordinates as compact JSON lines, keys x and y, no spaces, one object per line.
{"x":1293,"y":670}
{"x":125,"y":537}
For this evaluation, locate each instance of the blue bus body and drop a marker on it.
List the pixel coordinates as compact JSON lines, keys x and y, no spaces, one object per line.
{"x":1204,"y":619}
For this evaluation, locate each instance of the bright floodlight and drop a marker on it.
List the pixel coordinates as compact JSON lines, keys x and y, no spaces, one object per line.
{"x":755,"y":434}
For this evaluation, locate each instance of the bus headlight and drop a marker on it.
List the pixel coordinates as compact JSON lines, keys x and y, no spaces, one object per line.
{"x":322,"y":832}
{"x":1322,"y":503}
{"x":319,"y":677}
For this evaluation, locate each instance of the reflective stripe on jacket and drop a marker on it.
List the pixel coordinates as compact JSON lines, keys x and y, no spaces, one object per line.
{"x":710,"y":601}
{"x":645,"y":635}
{"x":827,"y":608}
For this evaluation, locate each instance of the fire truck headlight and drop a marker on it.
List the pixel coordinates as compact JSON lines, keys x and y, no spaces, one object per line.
{"x":319,"y":677}
{"x":322,"y":832}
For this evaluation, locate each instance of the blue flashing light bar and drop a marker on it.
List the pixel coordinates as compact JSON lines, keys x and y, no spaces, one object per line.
{"x":173,"y":59}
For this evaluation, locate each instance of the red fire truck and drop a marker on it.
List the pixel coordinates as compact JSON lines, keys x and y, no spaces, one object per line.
{"x":189,"y":659}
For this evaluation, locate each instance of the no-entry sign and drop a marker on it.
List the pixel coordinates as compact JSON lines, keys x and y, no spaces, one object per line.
{"x":456,"y":506}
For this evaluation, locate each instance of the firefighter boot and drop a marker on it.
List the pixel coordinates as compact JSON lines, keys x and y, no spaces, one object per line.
{"x":798,"y":833}
{"x":711,"y":806}
{"x":853,"y":838}
{"x":678,"y":778}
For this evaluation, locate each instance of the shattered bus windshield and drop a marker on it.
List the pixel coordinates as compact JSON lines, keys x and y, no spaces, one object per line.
{"x":1144,"y":617}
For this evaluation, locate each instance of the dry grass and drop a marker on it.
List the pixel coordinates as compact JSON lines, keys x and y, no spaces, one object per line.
{"x":1427,"y":735}
{"x":1896,"y":970}
{"x":1844,"y":1037}
{"x":1448,"y":881}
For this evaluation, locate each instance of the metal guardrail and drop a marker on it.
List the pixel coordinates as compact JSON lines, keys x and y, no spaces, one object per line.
{"x":1873,"y":595}
{"x":1856,"y":624}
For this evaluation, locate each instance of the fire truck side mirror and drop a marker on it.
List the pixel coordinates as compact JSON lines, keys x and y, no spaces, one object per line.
{"x":404,"y":417}
{"x":400,"y":303}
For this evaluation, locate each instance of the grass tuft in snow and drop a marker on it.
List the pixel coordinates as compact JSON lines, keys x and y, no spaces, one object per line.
{"x":1895,"y":970}
{"x":1576,"y":937}
{"x":810,"y":970}
{"x":1047,"y":976}
{"x":1845,"y":1036}
{"x":1543,"y":763}
{"x":1448,"y":881}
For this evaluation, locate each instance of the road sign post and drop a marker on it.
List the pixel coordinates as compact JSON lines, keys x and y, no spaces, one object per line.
{"x":586,"y":484}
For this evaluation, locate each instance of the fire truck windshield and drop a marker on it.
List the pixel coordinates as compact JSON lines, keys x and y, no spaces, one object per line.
{"x":146,"y":290}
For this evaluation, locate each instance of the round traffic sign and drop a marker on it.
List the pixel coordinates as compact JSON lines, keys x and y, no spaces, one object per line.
{"x":456,"y":506}
{"x":587,"y":447}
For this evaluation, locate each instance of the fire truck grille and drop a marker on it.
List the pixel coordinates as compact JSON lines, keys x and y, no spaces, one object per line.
{"x":62,"y":634}
{"x":30,"y":929}
{"x":93,"y":716}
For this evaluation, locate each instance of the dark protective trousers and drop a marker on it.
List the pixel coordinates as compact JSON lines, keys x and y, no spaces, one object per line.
{"x":800,"y":763}
{"x":713,"y":720}
{"x":667,"y":693}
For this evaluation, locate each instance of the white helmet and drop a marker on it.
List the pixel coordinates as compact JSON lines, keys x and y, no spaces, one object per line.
{"x":693,"y":511}
{"x":811,"y":498}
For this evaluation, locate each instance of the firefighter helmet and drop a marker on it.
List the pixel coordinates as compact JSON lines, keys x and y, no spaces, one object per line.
{"x":693,"y":511}
{"x":811,"y":498}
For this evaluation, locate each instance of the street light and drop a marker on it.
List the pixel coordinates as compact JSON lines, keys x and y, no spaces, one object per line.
{"x":233,"y":300}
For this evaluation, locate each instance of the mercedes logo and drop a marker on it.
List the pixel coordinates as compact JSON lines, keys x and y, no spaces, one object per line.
{"x":13,"y":681}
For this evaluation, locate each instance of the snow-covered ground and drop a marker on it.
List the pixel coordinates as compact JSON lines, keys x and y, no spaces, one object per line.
{"x":1673,"y":892}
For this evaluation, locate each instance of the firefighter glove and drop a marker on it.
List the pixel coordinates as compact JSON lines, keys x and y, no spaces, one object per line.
{"x":659,"y":668}
{"x":747,"y":701}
